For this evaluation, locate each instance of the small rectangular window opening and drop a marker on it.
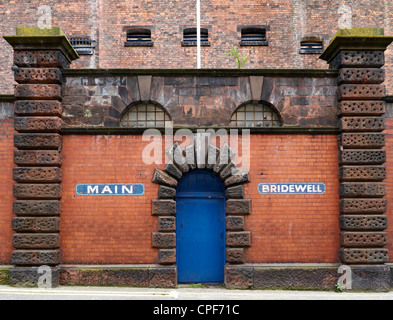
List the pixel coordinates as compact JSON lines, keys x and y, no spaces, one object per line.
{"x":83,"y":45}
{"x":139,"y":37}
{"x":311,"y":46}
{"x":253,"y":36}
{"x":190,"y":37}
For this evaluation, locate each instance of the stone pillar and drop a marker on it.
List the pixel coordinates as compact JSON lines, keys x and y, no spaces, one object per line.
{"x":39,"y":57}
{"x":358,"y":54}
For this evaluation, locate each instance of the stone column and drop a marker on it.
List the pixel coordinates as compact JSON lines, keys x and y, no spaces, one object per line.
{"x":39,"y":57}
{"x":358,"y":54}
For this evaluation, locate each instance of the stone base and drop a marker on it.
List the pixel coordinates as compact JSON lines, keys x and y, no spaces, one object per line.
{"x":152,"y":276}
{"x":371,"y":278}
{"x":306,"y":277}
{"x":282,"y":276}
{"x":33,"y":277}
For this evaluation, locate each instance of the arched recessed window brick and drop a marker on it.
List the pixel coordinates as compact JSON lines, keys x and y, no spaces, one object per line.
{"x":255,"y":116}
{"x":145,"y":115}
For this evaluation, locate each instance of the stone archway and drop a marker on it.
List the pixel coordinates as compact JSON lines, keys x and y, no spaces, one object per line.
{"x":220,"y":162}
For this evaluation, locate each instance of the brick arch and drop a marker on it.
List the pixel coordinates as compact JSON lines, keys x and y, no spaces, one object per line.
{"x":237,"y":207}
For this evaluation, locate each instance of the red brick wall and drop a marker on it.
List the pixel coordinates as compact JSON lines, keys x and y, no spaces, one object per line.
{"x":106,"y":229}
{"x":6,"y":183}
{"x":117,"y":229}
{"x":389,"y":183}
{"x":294,"y":228}
{"x":104,"y":21}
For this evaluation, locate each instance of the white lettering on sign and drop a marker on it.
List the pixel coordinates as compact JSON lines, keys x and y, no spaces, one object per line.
{"x":102,"y":189}
{"x":292,"y":188}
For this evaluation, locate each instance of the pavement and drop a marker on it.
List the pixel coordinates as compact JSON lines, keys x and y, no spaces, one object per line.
{"x":180,"y":293}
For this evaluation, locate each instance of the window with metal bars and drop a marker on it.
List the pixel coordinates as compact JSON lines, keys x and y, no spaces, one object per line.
{"x":190,"y":37}
{"x":253,"y":36}
{"x":255,"y":116}
{"x":82,"y":45}
{"x":311,"y":44}
{"x":145,"y":115}
{"x":139,"y":37}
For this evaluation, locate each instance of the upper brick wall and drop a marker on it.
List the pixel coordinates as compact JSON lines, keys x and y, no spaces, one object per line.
{"x":105,"y":20}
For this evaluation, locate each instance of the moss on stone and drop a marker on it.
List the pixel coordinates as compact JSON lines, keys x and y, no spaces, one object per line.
{"x":4,"y":276}
{"x":38,"y":32}
{"x":361,"y":32}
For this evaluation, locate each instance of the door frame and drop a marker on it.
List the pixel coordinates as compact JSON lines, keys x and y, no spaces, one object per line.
{"x":237,"y":208}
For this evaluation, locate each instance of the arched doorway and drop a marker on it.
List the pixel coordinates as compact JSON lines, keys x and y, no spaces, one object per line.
{"x":200,"y":228}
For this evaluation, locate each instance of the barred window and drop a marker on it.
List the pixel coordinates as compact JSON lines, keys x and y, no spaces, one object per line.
{"x":145,"y":115}
{"x":255,"y":116}
{"x":138,"y":37}
{"x":190,"y":37}
{"x":83,"y":45}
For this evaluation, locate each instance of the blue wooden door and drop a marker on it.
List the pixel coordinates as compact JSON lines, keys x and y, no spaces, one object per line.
{"x":200,"y":228}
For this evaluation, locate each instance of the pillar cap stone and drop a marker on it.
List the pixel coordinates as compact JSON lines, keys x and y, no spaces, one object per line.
{"x":35,"y":38}
{"x":356,"y":39}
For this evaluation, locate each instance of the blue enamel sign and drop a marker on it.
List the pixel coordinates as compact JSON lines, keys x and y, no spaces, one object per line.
{"x":110,"y":189}
{"x":292,"y":188}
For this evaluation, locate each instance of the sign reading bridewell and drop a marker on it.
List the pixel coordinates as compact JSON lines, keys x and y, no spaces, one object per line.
{"x":291,"y":188}
{"x":110,"y":189}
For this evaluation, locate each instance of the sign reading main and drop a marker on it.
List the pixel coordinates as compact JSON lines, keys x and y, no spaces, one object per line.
{"x":291,"y":188}
{"x":110,"y":189}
